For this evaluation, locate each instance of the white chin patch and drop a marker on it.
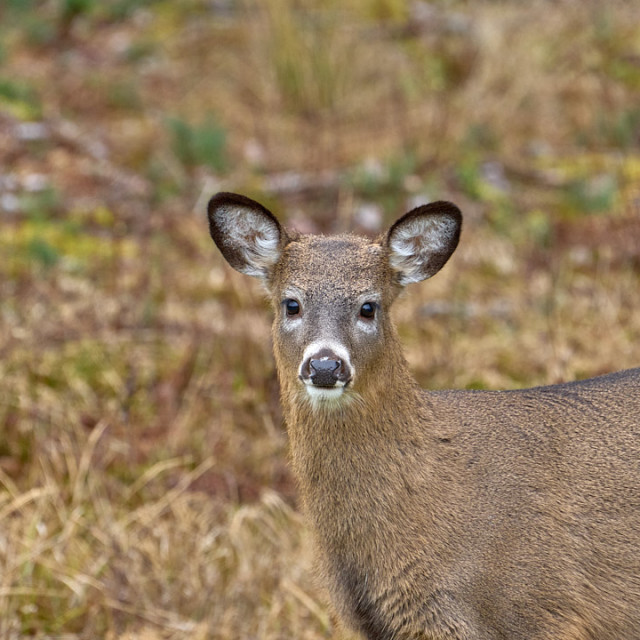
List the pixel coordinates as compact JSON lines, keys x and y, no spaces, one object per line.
{"x":324,"y":394}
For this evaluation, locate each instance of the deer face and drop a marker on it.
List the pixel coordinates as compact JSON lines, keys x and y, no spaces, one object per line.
{"x":332,"y":295}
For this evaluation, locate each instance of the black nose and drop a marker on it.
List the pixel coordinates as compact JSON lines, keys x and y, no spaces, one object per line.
{"x":325,"y":369}
{"x":324,"y":373}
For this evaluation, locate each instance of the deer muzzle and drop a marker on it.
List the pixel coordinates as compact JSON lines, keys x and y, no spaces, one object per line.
{"x":325,"y":369}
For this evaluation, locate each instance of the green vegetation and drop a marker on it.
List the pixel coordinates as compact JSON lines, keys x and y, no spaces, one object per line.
{"x":199,"y":145}
{"x":20,"y":99}
{"x":144,"y":487}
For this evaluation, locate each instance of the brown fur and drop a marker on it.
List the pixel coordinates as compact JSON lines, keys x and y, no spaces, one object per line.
{"x":453,"y":515}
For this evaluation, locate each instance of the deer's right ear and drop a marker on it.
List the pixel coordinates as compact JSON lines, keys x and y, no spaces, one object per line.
{"x":248,"y":235}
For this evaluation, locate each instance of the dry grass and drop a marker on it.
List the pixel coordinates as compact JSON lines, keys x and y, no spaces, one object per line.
{"x":144,"y":491}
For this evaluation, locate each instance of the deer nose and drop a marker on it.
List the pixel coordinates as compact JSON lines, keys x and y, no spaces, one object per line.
{"x":324,"y":373}
{"x":325,"y":369}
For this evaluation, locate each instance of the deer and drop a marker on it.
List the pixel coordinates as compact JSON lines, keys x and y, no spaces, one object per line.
{"x":439,"y":514}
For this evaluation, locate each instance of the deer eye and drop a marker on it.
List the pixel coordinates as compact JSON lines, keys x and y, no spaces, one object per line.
{"x":368,"y":310}
{"x":292,"y":306}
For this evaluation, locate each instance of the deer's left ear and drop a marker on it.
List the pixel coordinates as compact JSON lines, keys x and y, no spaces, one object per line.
{"x":423,"y":240}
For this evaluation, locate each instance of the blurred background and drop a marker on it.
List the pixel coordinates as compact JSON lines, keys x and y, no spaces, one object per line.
{"x":144,"y":488}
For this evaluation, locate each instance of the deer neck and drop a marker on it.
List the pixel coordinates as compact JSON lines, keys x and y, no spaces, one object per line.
{"x":339,"y":452}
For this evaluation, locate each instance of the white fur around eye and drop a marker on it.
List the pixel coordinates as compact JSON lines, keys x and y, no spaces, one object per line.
{"x":291,"y":323}
{"x":367,"y":326}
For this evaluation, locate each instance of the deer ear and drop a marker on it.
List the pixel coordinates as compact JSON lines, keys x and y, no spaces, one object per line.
{"x":248,"y":235}
{"x":422,"y":241}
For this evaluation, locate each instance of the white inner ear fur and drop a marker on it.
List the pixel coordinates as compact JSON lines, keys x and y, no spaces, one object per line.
{"x":415,"y":242}
{"x":254,"y":235}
